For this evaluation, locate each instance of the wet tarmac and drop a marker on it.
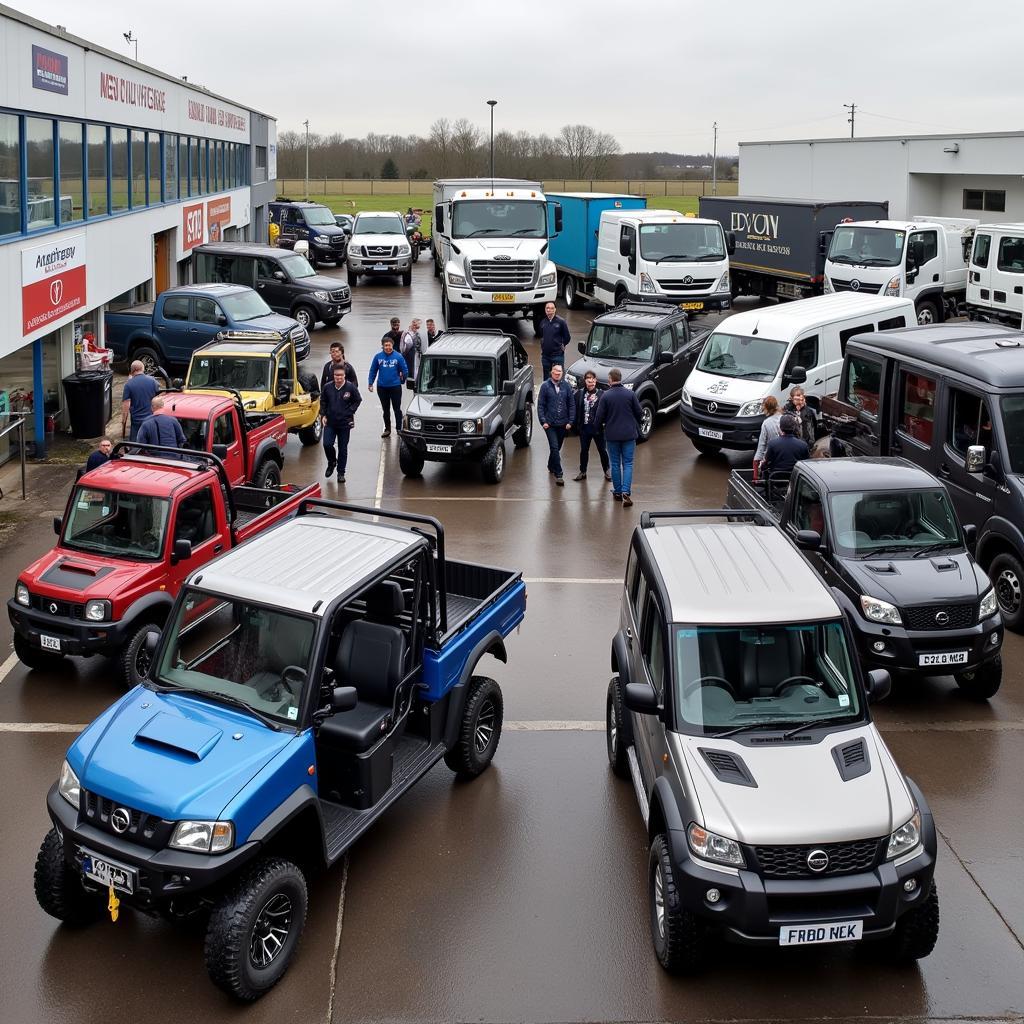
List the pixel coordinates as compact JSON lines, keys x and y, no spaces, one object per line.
{"x":520,"y":896}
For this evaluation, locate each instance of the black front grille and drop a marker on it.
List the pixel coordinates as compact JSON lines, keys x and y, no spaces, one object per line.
{"x":380,"y":250}
{"x":952,"y":616}
{"x":145,"y":829}
{"x":447,"y":428}
{"x":338,"y":294}
{"x":721,"y":409}
{"x":692,"y":284}
{"x":847,"y":286}
{"x":502,"y":275}
{"x":60,"y":609}
{"x":843,"y":859}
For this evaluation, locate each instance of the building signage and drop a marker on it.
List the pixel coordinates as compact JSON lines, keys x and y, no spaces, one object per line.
{"x":198,"y":110}
{"x":49,"y":70}
{"x":52,"y":281}
{"x":191,"y":227}
{"x":218,"y":216}
{"x":132,"y":92}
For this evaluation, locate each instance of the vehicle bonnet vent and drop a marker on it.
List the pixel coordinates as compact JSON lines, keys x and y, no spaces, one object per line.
{"x":728,"y":767}
{"x":852,"y":759}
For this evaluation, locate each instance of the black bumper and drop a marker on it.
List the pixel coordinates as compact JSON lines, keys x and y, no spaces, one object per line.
{"x":738,"y":434}
{"x":334,"y":254}
{"x":464,"y":448}
{"x":333,"y":310}
{"x":76,"y":636}
{"x":161,"y":875}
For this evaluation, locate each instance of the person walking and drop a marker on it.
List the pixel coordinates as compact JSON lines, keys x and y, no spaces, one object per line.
{"x":787,"y":449}
{"x":338,"y":403}
{"x":101,"y":455}
{"x":554,"y":336}
{"x":390,"y":371}
{"x":432,"y":332}
{"x":769,"y":430}
{"x":797,"y":405}
{"x":588,"y":398}
{"x":619,"y":415}
{"x":395,"y":334}
{"x":337,"y":359}
{"x":137,"y":400}
{"x":556,"y":410}
{"x":411,"y":344}
{"x":161,"y":428}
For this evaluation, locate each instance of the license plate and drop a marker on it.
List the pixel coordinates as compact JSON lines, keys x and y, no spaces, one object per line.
{"x":380,"y":266}
{"x":108,"y":873}
{"x":945,"y":658}
{"x":812,"y":934}
{"x":440,"y":449}
{"x":791,"y":291}
{"x":49,"y":643}
{"x":715,"y":435}
{"x":504,"y":297}
{"x":691,"y":305}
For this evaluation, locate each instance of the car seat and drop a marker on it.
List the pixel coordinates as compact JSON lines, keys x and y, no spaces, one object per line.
{"x":765,"y":665}
{"x":285,"y":645}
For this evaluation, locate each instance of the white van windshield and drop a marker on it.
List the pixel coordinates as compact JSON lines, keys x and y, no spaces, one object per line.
{"x":734,"y":355}
{"x":681,"y":243}
{"x":867,"y":247}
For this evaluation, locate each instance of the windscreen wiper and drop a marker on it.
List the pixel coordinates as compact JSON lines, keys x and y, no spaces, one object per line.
{"x":814,"y":721}
{"x":941,"y":545}
{"x":741,"y":728}
{"x":224,"y":698}
{"x":709,"y":256}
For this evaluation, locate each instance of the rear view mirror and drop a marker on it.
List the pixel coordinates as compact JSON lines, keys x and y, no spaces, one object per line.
{"x":58,"y":525}
{"x":970,"y":536}
{"x":808,"y":540}
{"x":558,"y":219}
{"x":439,"y":218}
{"x":344,"y":698}
{"x":641,"y":698}
{"x":411,"y":384}
{"x":508,"y":387}
{"x":222,"y":320}
{"x":152,"y":642}
{"x":975,"y":461}
{"x":178,"y":383}
{"x":625,"y":244}
{"x":279,"y":275}
{"x":284,"y":392}
{"x":878,"y":684}
{"x":181,"y":552}
{"x":220,"y":450}
{"x":582,"y":346}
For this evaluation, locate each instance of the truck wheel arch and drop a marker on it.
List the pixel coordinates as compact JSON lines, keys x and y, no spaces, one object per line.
{"x":664,"y":818}
{"x":620,"y":658}
{"x":152,"y":608}
{"x":1000,"y":537}
{"x":268,"y":448}
{"x":493,"y":644}
{"x":294,"y":828}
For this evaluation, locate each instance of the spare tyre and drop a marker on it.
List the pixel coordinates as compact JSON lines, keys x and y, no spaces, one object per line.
{"x":310,"y":384}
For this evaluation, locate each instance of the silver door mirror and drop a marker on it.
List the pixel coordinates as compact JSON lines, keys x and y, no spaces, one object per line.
{"x":975,"y":461}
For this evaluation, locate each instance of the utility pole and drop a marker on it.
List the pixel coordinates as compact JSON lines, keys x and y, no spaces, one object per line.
{"x":714,"y":163}
{"x":129,"y":39}
{"x":306,"y":123}
{"x":852,"y":108}
{"x":491,"y":104}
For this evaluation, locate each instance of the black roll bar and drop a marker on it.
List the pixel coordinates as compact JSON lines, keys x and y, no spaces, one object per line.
{"x":647,"y":518}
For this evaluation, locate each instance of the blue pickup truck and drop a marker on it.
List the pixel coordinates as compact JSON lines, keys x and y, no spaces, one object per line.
{"x":165,"y":333}
{"x":303,"y":682}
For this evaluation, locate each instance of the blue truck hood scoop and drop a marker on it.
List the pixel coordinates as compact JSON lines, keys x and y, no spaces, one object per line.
{"x":178,"y":735}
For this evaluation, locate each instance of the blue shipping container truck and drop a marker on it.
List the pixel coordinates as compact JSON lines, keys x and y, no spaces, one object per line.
{"x":575,"y":248}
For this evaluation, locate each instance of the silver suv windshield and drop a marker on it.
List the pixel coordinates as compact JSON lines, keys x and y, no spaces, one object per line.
{"x":689,"y":243}
{"x":115,"y":523}
{"x":734,"y":355}
{"x":242,"y":652}
{"x":867,"y":247}
{"x":478,"y":218}
{"x":383,"y":224}
{"x":763,"y":676}
{"x":456,"y":375}
{"x":893,"y":523}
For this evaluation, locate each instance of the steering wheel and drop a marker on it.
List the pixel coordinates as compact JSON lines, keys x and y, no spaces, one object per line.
{"x":294,"y":678}
{"x":148,"y":538}
{"x":718,"y":681}
{"x":795,"y":681}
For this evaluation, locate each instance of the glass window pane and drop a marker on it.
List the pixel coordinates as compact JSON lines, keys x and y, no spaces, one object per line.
{"x":183,"y":166}
{"x":97,"y":140}
{"x":196,"y":181}
{"x":71,"y":184}
{"x":39,"y":142}
{"x":138,"y":169}
{"x":118,"y":169}
{"x":10,"y":176}
{"x":220,"y":166}
{"x":170,"y":168}
{"x":154,"y":167}
{"x":229,"y":158}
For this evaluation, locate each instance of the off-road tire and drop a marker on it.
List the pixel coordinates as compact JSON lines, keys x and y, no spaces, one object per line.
{"x":33,"y":657}
{"x":410,"y":462}
{"x":407,"y":278}
{"x":230,"y":932}
{"x":134,"y":659}
{"x":311,"y":435}
{"x":437,"y":268}
{"x":927,"y":313}
{"x":1007,"y":575}
{"x":493,"y":464}
{"x":149,"y":357}
{"x":353,"y":278}
{"x":58,"y":889}
{"x":310,"y":384}
{"x":333,"y":322}
{"x":453,"y":315}
{"x":479,"y":730}
{"x":523,"y":434}
{"x":916,"y":931}
{"x":982,"y":682}
{"x":649,"y":413}
{"x":706,"y":447}
{"x":268,"y":476}
{"x":571,"y":293}
{"x":617,"y":730}
{"x":680,"y":941}
{"x":306,"y":317}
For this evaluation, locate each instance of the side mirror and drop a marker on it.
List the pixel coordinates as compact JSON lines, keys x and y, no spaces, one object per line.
{"x":181,"y":552}
{"x":730,"y":242}
{"x":58,"y":525}
{"x":975,"y":461}
{"x":411,"y":384}
{"x":797,"y":375}
{"x":878,"y":684}
{"x":344,"y":698}
{"x":279,"y":275}
{"x":625,"y":245}
{"x":582,"y":346}
{"x":808,"y":540}
{"x":824,"y":242}
{"x":178,"y":383}
{"x":284,"y":392}
{"x":222,"y":320}
{"x":152,"y":642}
{"x":665,"y":358}
{"x":970,"y":536}
{"x":508,"y":387}
{"x":641,"y":698}
{"x":916,"y":253}
{"x":558,"y":219}
{"x":994,"y":468}
{"x":220,"y":450}
{"x":439,"y":218}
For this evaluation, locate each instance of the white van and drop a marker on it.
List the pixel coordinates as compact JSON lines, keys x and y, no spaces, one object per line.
{"x":995,"y":283}
{"x":751,"y":355}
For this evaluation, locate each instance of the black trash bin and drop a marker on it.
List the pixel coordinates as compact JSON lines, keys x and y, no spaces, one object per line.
{"x":89,"y":397}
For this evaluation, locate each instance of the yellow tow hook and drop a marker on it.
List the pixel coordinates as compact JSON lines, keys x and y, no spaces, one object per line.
{"x":112,"y":904}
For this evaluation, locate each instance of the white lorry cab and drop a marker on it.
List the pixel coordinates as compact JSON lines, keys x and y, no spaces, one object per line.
{"x":490,"y":245}
{"x":995,"y":279}
{"x":923,"y":258}
{"x":762,"y":352}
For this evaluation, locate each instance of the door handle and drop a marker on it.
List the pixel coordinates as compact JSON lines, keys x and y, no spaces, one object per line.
{"x":629,"y":636}
{"x":217,"y":548}
{"x":818,"y":382}
{"x":872,"y":438}
{"x":944,"y":470}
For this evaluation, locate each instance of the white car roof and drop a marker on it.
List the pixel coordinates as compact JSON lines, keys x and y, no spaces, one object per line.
{"x":786,"y":320}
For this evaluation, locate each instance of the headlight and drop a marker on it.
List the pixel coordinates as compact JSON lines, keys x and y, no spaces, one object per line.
{"x":751,"y":408}
{"x":708,"y":846}
{"x":827,"y":286}
{"x":685,"y":398}
{"x":355,"y":250}
{"x":203,"y":836}
{"x":97,"y":611}
{"x":21,"y":595}
{"x":724,"y":284}
{"x":629,"y":387}
{"x":988,"y":605}
{"x":572,"y":379}
{"x":68,"y":785}
{"x":404,"y":250}
{"x":322,"y":296}
{"x":470,"y":426}
{"x":647,"y":285}
{"x":547,"y":280}
{"x":880,"y":611}
{"x":906,"y":838}
{"x":456,"y":279}
{"x":415,"y":423}
{"x":894,"y":285}
{"x":321,"y":240}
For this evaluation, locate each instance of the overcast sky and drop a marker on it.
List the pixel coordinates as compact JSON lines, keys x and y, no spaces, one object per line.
{"x":655,"y":74}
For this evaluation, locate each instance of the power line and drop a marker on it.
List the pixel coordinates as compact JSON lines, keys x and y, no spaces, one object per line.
{"x":852,"y":108}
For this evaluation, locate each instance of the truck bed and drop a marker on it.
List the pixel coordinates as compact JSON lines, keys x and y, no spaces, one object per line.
{"x":764,"y":496}
{"x":256,"y":508}
{"x":143,"y":310}
{"x":470,"y":587}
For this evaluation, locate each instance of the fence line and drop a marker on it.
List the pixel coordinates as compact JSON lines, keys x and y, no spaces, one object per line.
{"x":419,"y":186}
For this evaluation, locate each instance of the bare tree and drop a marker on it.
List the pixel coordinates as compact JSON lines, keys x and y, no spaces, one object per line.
{"x":588,"y":153}
{"x":466,"y":146}
{"x":441,"y":145}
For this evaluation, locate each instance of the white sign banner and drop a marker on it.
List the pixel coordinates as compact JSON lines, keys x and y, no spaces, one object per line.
{"x":52,"y":281}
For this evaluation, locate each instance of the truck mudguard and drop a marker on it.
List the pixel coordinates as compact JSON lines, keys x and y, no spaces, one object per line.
{"x":620,"y":658}
{"x":267,"y":446}
{"x":494,"y":644}
{"x":302,"y":799}
{"x":998,"y":529}
{"x":159,"y":601}
{"x":665,"y":806}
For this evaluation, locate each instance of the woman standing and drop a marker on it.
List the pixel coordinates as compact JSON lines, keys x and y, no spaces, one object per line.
{"x":588,"y":398}
{"x":769,"y":430}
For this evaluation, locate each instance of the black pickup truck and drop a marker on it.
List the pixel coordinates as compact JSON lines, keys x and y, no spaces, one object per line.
{"x":883,"y":535}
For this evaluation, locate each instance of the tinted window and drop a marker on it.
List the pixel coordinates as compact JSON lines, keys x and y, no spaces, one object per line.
{"x":892,"y":323}
{"x":969,"y":421}
{"x":97,"y":139}
{"x":805,"y":354}
{"x":195,"y":522}
{"x":631,"y":574}
{"x":654,"y":645}
{"x":207,"y":311}
{"x":808,"y":514}
{"x":862,"y":384}
{"x":850,"y":332}
{"x":10,"y":174}
{"x":71,"y":166}
{"x":224,"y":429}
{"x":1011,"y":254}
{"x":930,"y":241}
{"x":982,"y":244}
{"x":40,"y":163}
{"x":176,"y":308}
{"x":917,"y":406}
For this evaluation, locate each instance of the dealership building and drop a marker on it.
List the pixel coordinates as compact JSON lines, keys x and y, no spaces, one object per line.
{"x":111,"y":172}
{"x":973,"y":175}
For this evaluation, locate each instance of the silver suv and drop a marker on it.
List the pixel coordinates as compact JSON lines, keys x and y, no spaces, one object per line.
{"x":775,"y":813}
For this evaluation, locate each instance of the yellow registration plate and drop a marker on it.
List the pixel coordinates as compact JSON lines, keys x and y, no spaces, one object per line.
{"x":691,"y":305}
{"x":504,"y":297}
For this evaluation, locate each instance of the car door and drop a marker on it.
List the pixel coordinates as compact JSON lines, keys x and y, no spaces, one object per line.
{"x":208,"y":320}
{"x":506,"y":403}
{"x":626,"y":262}
{"x":928,"y":272}
{"x":860,"y":398}
{"x":289,"y":227}
{"x":654,"y":659}
{"x":979,"y":273}
{"x":637,"y":599}
{"x":224,"y":433}
{"x":1007,"y":278}
{"x":967,"y":416}
{"x":198,"y":518}
{"x":288,"y":401}
{"x":271,"y":286}
{"x":808,"y":513}
{"x":173,"y":329}
{"x":807,"y":353}
{"x":668,"y":377}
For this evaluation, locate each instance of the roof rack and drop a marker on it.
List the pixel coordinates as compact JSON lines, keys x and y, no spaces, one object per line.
{"x":643,"y":306}
{"x":274,"y":336}
{"x":475,"y":330}
{"x":647,"y":518}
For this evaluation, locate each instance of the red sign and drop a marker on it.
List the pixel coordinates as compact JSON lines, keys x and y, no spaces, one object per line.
{"x":192,"y":226}
{"x":52,"y":282}
{"x":218,"y":216}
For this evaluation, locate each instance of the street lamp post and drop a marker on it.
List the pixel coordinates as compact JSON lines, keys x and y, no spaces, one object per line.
{"x":492,"y":104}
{"x":306,"y":123}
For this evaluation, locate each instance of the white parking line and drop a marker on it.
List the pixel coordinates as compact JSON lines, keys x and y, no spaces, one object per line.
{"x":5,"y":668}
{"x":337,"y":941}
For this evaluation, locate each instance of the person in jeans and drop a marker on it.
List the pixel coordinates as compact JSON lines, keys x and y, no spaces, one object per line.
{"x":411,"y":344}
{"x":139,"y":391}
{"x":389,"y":370}
{"x":338,"y":404}
{"x":619,"y":415}
{"x":769,"y":430}
{"x":556,"y":409}
{"x":554,"y":337}
{"x":588,"y":398}
{"x":337,"y":359}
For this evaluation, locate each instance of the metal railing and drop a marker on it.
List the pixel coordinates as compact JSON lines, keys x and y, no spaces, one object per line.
{"x":17,"y":424}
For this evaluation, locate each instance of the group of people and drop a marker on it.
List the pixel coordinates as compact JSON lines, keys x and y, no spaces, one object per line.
{"x":787,"y":434}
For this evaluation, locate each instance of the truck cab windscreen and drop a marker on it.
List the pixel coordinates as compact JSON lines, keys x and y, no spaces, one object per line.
{"x":379,"y":226}
{"x":610,"y":342}
{"x":888,"y":524}
{"x":244,"y":306}
{"x":116,"y":524}
{"x":451,"y":375}
{"x":318,"y":216}
{"x":681,"y":243}
{"x":296,"y":266}
{"x":478,"y":219}
{"x":734,"y":355}
{"x":762,"y":677}
{"x":1012,"y":407}
{"x":243,"y":373}
{"x":246,"y":653}
{"x":867,"y":247}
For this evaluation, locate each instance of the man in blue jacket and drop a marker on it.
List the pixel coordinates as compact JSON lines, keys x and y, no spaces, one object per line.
{"x":338,"y":404}
{"x":389,"y":370}
{"x":619,"y":415}
{"x":161,"y":428}
{"x":556,"y":410}
{"x":554,"y":337}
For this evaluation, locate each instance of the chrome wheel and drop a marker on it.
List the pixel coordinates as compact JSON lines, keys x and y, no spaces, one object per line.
{"x":528,"y":422}
{"x":613,"y":728}
{"x":659,"y":900}
{"x":270,"y":930}
{"x":1008,"y":592}
{"x":499,"y":461}
{"x":646,"y":420}
{"x":484,"y":730}
{"x":304,"y":318}
{"x":925,"y":316}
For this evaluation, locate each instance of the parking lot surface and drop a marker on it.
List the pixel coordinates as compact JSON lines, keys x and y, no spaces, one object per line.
{"x":520,"y":896}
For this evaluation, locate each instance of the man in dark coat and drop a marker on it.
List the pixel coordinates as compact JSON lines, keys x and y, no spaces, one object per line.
{"x":554,"y":337}
{"x":786,"y":450}
{"x":337,"y":359}
{"x":619,"y":415}
{"x":338,"y":404}
{"x":588,"y":398}
{"x":556,"y":410}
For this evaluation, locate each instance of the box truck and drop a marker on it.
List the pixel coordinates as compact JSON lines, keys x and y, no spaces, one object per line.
{"x":995,"y":284}
{"x":612,"y":249}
